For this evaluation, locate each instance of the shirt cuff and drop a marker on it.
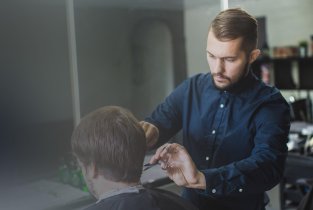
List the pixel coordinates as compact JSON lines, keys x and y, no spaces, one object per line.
{"x":210,"y":190}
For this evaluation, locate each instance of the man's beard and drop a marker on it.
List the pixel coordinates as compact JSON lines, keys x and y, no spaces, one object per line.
{"x":232,"y":85}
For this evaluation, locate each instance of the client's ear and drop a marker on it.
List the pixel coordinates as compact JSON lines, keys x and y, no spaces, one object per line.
{"x":94,"y":170}
{"x":90,"y":171}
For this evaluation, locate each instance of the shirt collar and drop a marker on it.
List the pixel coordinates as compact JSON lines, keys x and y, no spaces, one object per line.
{"x":243,"y":84}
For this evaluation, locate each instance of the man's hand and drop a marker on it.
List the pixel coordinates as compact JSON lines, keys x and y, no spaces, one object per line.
{"x":152,"y":133}
{"x":179,"y":166}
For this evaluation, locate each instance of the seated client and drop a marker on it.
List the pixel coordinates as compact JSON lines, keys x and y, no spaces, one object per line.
{"x":110,"y":146}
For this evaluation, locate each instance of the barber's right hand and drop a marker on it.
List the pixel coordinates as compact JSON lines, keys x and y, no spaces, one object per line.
{"x":179,"y":166}
{"x":152,"y":133}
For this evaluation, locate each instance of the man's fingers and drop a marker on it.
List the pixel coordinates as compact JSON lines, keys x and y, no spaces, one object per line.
{"x":169,"y":154}
{"x":161,"y":149}
{"x":154,"y":159}
{"x":177,"y":176}
{"x":164,"y":165}
{"x":157,"y":156}
{"x":164,"y":150}
{"x":171,"y":149}
{"x":151,"y":133}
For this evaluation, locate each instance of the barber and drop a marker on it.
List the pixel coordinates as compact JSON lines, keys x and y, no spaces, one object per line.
{"x":235,"y":127}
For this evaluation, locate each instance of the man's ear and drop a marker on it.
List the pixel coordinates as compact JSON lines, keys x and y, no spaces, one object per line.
{"x":254,"y":55}
{"x":89,"y":170}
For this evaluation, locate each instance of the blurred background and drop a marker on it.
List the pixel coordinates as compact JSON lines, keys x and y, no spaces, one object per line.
{"x":61,"y":59}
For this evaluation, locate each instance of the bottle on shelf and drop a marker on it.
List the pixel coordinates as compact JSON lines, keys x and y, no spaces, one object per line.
{"x":303,"y":49}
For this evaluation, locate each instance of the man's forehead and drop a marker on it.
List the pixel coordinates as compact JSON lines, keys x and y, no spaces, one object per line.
{"x":230,"y":47}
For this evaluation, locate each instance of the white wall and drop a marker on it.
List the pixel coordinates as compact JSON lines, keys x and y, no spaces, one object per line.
{"x":197,"y":21}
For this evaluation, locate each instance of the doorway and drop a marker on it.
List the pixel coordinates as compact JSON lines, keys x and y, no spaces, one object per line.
{"x":152,"y":70}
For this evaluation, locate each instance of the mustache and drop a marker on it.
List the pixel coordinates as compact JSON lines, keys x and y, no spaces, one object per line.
{"x":220,"y":75}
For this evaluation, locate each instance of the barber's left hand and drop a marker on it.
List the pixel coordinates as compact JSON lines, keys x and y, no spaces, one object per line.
{"x":179,"y":166}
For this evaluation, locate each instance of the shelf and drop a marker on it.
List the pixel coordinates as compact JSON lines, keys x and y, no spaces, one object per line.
{"x":283,"y":70}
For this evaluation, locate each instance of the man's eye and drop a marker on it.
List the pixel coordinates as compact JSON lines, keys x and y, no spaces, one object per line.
{"x":230,"y":59}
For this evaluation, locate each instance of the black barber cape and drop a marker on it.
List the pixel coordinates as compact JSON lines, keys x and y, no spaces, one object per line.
{"x":145,"y":199}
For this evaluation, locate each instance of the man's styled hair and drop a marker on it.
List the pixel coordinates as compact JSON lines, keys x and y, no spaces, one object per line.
{"x":112,"y":139}
{"x":234,"y":23}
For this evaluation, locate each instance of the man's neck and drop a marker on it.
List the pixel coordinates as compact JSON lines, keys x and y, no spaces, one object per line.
{"x":242,"y":84}
{"x":107,"y":187}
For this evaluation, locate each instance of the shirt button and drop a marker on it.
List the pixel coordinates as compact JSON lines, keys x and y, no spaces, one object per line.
{"x":207,"y":158}
{"x":240,"y":190}
{"x":213,"y":190}
{"x":222,"y":105}
{"x":213,"y":132}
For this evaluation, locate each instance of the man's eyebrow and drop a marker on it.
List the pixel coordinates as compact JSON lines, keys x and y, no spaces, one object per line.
{"x":209,"y":52}
{"x":232,"y":57}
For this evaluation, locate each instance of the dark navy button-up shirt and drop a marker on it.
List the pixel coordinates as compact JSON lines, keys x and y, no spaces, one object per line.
{"x":237,"y":138}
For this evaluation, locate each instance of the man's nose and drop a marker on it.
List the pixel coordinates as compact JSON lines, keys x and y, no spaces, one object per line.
{"x":219,"y":66}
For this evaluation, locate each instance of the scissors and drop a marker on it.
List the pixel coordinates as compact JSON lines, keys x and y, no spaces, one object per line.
{"x":149,"y":165}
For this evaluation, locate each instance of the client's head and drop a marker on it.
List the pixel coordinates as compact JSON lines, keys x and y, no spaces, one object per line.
{"x":110,"y":147}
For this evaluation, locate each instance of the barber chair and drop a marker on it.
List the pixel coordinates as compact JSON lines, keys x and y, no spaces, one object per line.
{"x":294,"y":187}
